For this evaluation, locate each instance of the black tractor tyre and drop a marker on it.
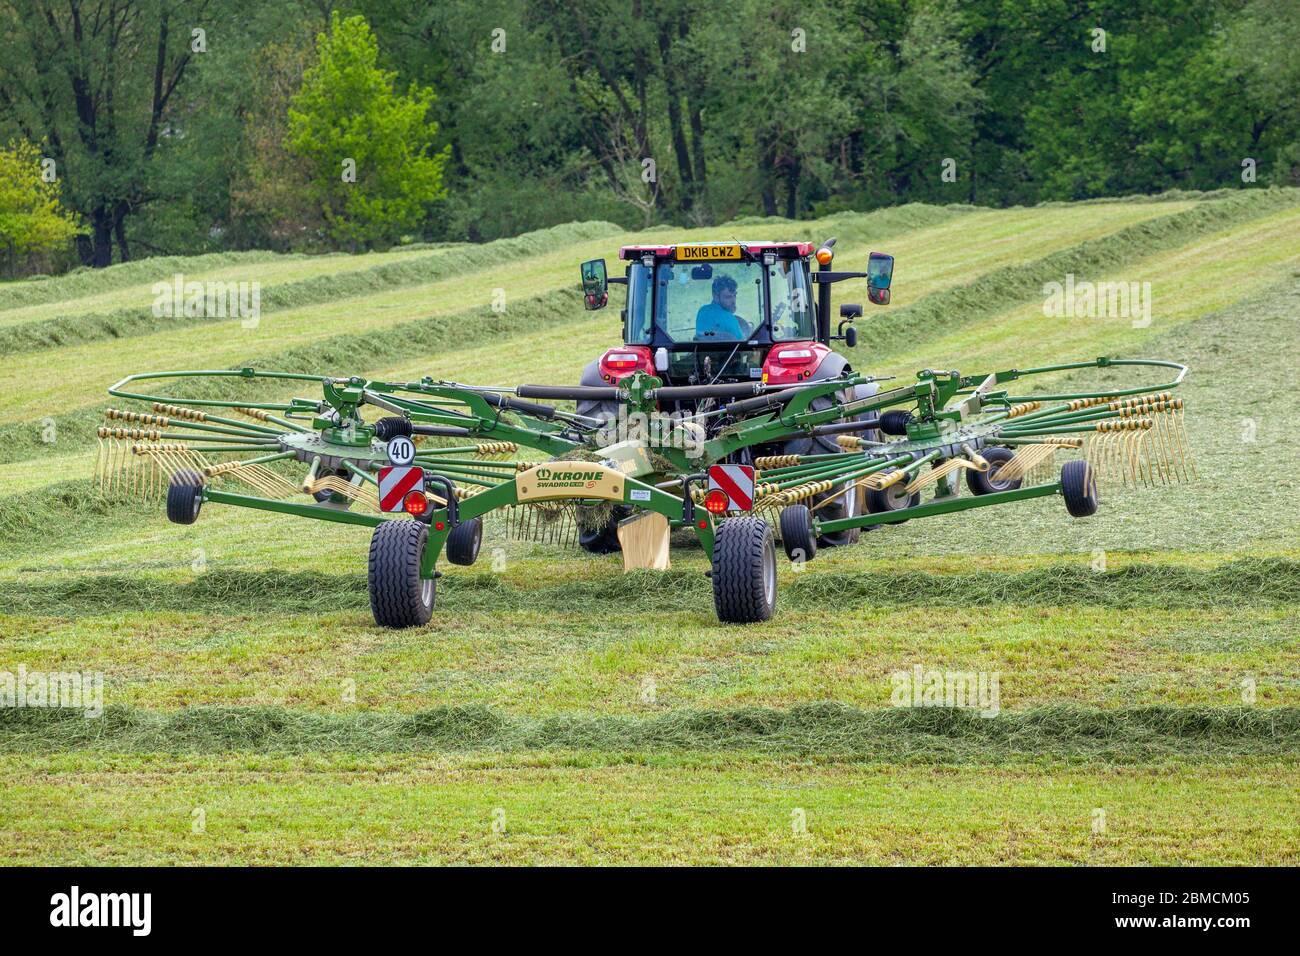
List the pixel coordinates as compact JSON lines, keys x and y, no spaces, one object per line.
{"x":604,"y":540}
{"x":464,"y":542}
{"x":797,"y":536}
{"x":399,"y":597}
{"x":892,"y":499}
{"x":986,"y":482}
{"x":607,"y":412}
{"x":184,"y":496}
{"x":744,"y":571}
{"x":1079,"y":488}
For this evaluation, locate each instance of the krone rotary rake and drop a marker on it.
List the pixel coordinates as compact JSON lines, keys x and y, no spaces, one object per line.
{"x":422,"y":463}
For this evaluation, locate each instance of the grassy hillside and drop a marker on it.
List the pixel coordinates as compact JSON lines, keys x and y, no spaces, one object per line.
{"x":244,"y":675}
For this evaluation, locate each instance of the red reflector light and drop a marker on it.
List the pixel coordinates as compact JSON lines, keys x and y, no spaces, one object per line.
{"x":415,"y":503}
{"x":440,"y":526}
{"x":704,"y":524}
{"x":716,"y":501}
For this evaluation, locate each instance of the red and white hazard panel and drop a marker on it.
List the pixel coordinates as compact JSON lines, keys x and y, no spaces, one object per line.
{"x":731,"y":488}
{"x":396,"y":483}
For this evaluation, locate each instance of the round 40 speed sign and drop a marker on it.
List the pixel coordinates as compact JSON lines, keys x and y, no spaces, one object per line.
{"x":401,"y":450}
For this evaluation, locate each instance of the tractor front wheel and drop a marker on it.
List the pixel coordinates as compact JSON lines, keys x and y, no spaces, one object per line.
{"x":399,"y":597}
{"x":744,"y":571}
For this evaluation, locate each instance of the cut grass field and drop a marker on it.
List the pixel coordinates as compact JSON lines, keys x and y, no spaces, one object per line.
{"x":1148,"y":658}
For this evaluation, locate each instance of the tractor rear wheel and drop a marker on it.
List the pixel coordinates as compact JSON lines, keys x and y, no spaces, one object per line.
{"x":399,"y":597}
{"x":986,"y":482}
{"x":744,"y":571}
{"x":184,"y":496}
{"x":1079,"y":488}
{"x":797,"y":537}
{"x":464,"y":541}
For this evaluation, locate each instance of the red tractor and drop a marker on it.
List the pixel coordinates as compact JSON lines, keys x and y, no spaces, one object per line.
{"x":715,"y":315}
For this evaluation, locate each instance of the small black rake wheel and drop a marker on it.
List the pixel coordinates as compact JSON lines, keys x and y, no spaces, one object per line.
{"x":892,"y":498}
{"x":1079,"y":488}
{"x":184,"y":496}
{"x":464,"y":541}
{"x":744,"y":571}
{"x":797,"y":536}
{"x":987,"y":482}
{"x":399,"y":597}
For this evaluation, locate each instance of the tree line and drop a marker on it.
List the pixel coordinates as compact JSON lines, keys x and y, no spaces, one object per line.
{"x":185,"y":126}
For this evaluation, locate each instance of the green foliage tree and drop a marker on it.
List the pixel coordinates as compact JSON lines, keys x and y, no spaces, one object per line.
{"x":369,"y":151}
{"x":99,"y":83}
{"x":32,"y":216}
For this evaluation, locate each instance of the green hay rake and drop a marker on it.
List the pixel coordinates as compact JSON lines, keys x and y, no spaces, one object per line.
{"x":455,"y":448}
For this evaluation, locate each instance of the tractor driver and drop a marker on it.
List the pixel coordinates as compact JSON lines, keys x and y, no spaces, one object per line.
{"x":718,"y":319}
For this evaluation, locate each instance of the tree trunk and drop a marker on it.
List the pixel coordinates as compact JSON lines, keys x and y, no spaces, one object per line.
{"x":101,"y":237}
{"x":792,"y":188}
{"x":684,"y":170}
{"x":119,"y":231}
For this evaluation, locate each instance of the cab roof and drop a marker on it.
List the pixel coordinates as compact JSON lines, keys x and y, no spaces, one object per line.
{"x":753,"y":247}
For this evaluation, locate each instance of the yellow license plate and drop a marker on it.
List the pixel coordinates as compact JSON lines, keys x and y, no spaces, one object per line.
{"x":700,"y":253}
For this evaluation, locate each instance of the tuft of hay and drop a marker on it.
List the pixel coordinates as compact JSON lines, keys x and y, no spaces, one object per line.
{"x":823,"y":730}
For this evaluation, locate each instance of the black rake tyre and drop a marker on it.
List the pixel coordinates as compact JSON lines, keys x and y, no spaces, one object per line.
{"x":986,"y":482}
{"x":399,"y":597}
{"x":846,"y":503}
{"x":892,"y":498}
{"x":797,"y":536}
{"x":1079,"y":488}
{"x":184,"y":496}
{"x":744,"y":571}
{"x":604,"y":540}
{"x":464,"y":541}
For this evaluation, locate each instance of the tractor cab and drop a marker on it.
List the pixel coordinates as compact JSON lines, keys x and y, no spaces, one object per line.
{"x":706,"y":313}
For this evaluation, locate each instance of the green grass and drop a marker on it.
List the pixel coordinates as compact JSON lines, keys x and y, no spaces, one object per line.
{"x":1146,"y":657}
{"x":638,"y":809}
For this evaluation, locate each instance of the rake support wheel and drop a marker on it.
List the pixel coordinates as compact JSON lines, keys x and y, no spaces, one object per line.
{"x":184,"y":496}
{"x":399,"y":597}
{"x":744,"y":571}
{"x":1079,"y":488}
{"x":464,"y":541}
{"x":797,"y":536}
{"x":892,"y":498}
{"x":986,"y":482}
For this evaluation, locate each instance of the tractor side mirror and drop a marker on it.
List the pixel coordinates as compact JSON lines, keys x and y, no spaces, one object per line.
{"x":851,"y":337}
{"x":880,"y":272}
{"x":850,"y":311}
{"x":595,"y":285}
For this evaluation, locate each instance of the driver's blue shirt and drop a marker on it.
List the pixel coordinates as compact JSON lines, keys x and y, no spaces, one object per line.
{"x":715,"y":322}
